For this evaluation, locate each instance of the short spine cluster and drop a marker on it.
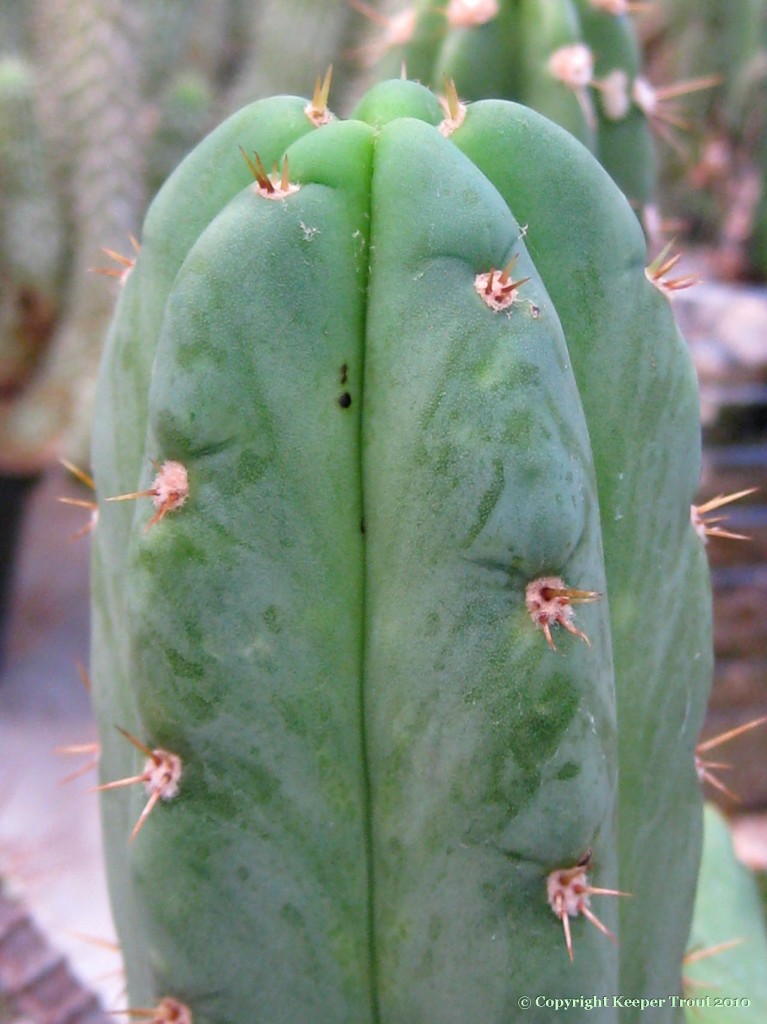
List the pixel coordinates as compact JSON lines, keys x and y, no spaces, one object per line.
{"x":569,"y":893}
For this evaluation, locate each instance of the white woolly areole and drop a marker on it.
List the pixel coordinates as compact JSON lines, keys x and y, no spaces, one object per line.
{"x":495,"y":291}
{"x":318,"y":119}
{"x":573,"y":65}
{"x":170,"y":487}
{"x":699,"y":523}
{"x":614,"y":94}
{"x":401,"y":27}
{"x":644,"y":96}
{"x":616,"y":7}
{"x":547,"y":610}
{"x":566,"y":889}
{"x":171,"y":1011}
{"x":162,"y":772}
{"x":276,"y":191}
{"x":125,"y":274}
{"x":468,"y":13}
{"x":450,"y":123}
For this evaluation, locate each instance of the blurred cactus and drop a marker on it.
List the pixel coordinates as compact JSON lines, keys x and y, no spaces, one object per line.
{"x":728,"y":941}
{"x":578,"y":62}
{"x":289,"y":42}
{"x":31,"y":237}
{"x":716,"y":182}
{"x":71,"y":162}
{"x":99,"y":100}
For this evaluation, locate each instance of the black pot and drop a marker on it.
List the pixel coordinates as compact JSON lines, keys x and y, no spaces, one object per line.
{"x":14,"y":494}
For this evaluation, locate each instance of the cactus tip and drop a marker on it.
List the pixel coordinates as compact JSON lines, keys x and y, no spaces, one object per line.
{"x":550,"y":602}
{"x":76,"y":749}
{"x":455,"y":111}
{"x":614,"y":93}
{"x":573,"y":66}
{"x":317,"y":108}
{"x":125,"y":263}
{"x":278,"y":186}
{"x":398,"y":30}
{"x":653,"y":102}
{"x":92,"y":506}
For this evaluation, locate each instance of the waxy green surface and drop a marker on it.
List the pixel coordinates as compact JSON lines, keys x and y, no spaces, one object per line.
{"x":640,"y":397}
{"x":382,"y":757}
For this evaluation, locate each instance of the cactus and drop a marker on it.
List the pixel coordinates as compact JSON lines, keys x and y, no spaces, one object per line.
{"x":725,"y":978}
{"x":31,"y":239}
{"x":401,"y":627}
{"x":99,"y":100}
{"x":576,"y":61}
{"x":72,"y":148}
{"x":717,"y":184}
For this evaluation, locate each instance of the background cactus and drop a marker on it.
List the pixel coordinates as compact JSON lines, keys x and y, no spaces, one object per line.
{"x":99,"y":100}
{"x":77,"y":140}
{"x":728,"y":941}
{"x":397,"y":441}
{"x":715,"y":183}
{"x":577,"y":62}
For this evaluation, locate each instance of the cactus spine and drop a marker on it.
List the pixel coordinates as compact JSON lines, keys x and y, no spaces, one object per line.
{"x":424,"y":621}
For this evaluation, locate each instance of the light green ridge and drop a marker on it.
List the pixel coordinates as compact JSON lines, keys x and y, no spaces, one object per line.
{"x":639,"y":393}
{"x":202,"y":184}
{"x":491,"y":756}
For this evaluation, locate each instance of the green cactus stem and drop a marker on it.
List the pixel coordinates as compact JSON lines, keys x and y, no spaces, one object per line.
{"x":407,"y":583}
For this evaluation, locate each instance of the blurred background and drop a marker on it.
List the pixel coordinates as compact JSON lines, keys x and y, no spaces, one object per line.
{"x":99,"y":100}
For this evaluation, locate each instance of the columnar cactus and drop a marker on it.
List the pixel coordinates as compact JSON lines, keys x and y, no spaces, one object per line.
{"x":716,"y":184}
{"x":576,"y":61}
{"x":401,"y":644}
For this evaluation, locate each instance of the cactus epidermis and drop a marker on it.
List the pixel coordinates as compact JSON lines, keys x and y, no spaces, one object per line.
{"x":383,"y":760}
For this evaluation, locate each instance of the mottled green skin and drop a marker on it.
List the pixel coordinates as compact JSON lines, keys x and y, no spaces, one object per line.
{"x":382,"y":758}
{"x":640,"y":397}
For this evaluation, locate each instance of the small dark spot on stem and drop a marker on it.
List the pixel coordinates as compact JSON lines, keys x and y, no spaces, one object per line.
{"x":345,"y":400}
{"x":344,"y":373}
